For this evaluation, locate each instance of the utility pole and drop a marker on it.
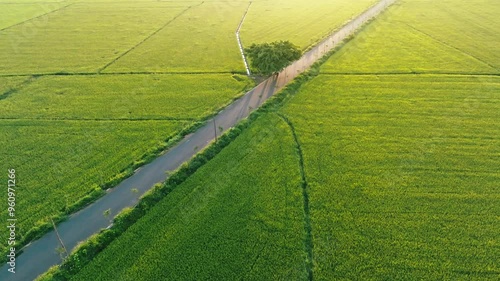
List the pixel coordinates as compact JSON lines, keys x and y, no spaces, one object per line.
{"x":215,"y":130}
{"x":59,"y":237}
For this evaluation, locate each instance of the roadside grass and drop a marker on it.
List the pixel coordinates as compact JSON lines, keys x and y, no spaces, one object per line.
{"x":200,"y":40}
{"x":301,"y":22}
{"x":224,"y":222}
{"x":81,"y":37}
{"x":425,"y":37}
{"x":403,"y":175}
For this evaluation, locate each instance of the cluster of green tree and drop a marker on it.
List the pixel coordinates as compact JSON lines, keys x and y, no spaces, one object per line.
{"x":269,"y":58}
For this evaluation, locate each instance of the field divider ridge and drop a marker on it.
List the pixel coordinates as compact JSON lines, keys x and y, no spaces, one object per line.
{"x":166,"y":118}
{"x":238,"y":38}
{"x":39,"y":16}
{"x":308,"y":240}
{"x":147,"y":38}
{"x":450,"y":46}
{"x":122,"y":73}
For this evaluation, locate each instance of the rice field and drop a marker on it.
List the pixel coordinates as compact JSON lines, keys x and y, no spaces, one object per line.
{"x":125,"y":97}
{"x":402,"y":174}
{"x":81,"y":37}
{"x":397,"y":139}
{"x":400,"y":151}
{"x":421,"y":36}
{"x":16,"y":13}
{"x":222,"y":223}
{"x":303,"y":23}
{"x":81,"y":80}
{"x":9,"y":84}
{"x":201,"y":39}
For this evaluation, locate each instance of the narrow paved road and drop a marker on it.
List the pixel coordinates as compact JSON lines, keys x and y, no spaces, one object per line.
{"x":41,"y":254}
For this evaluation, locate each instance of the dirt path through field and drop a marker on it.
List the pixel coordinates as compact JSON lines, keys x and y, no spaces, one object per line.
{"x":41,"y":254}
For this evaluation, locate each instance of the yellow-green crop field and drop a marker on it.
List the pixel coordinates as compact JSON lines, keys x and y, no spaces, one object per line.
{"x":399,"y":144}
{"x":239,"y":217}
{"x":402,"y":174}
{"x":303,"y":23}
{"x":82,"y":37}
{"x":134,"y":97}
{"x":89,"y":88}
{"x":422,"y":36}
{"x":201,"y":39}
{"x":20,"y":11}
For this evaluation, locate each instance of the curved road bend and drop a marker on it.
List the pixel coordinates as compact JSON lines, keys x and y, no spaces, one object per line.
{"x":41,"y":254}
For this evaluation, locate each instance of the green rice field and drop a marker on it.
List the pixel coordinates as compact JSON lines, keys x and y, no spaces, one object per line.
{"x":16,"y":13}
{"x":268,"y":21}
{"x":384,"y":166}
{"x":424,"y":36}
{"x":88,"y":36}
{"x":399,"y":144}
{"x":89,"y":88}
{"x":402,"y":174}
